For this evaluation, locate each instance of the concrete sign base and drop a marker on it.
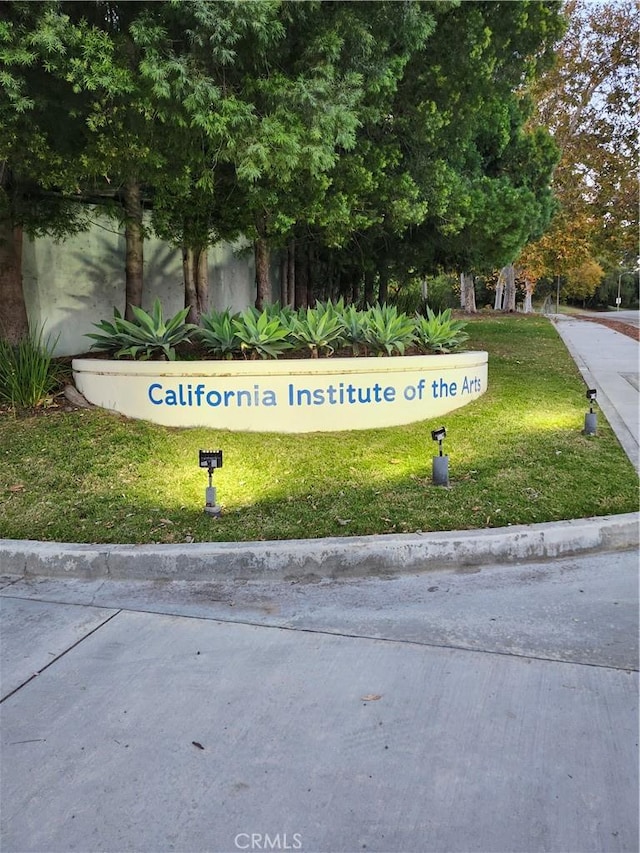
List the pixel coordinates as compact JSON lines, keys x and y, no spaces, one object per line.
{"x":288,"y":395}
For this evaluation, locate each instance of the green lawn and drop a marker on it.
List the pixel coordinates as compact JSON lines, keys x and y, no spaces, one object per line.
{"x":517,"y":456}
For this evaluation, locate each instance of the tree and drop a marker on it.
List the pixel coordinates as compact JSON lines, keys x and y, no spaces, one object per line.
{"x":38,"y":152}
{"x":474,"y":181}
{"x":589,"y":101}
{"x":335,"y":80}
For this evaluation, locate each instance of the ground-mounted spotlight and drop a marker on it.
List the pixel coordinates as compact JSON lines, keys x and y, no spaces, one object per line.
{"x":440,"y":462}
{"x":591,"y":418}
{"x":211,"y":459}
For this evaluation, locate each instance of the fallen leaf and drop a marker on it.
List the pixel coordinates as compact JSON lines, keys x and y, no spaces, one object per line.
{"x":371,"y":697}
{"x":199,"y":745}
{"x":18,"y":487}
{"x":343,"y":521}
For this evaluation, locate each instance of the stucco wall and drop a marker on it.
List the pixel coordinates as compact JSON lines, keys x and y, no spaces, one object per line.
{"x":71,"y":285}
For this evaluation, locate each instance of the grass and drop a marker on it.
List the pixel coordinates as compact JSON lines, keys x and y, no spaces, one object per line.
{"x":517,"y":456}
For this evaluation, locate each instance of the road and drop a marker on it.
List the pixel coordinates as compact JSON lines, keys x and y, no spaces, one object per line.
{"x":488,"y":710}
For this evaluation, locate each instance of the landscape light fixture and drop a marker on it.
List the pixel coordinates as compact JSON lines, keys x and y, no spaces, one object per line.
{"x":591,"y":418}
{"x":438,"y":435}
{"x":211,"y":459}
{"x":440,"y":462}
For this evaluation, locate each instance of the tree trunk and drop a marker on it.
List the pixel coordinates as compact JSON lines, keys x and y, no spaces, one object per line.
{"x":467,"y":284}
{"x":462,"y":289}
{"x":383,"y":286}
{"x":528,"y":303}
{"x":497,"y":305}
{"x":134,"y":238}
{"x":291,"y":273}
{"x":263,"y":278}
{"x":196,"y":282}
{"x":302,"y":279}
{"x":202,"y":281}
{"x":311,"y":276}
{"x":284,"y":277}
{"x":369,"y":283}
{"x":356,"y":282}
{"x":509,"y":288}
{"x":14,"y":324}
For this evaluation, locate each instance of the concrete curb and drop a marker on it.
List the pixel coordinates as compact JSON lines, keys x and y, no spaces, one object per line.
{"x":313,"y":559}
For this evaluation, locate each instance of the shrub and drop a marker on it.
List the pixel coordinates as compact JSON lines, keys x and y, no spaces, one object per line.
{"x":317,"y":328}
{"x":146,"y":337}
{"x":219,"y":334}
{"x":262,"y":334}
{"x":387,"y":331}
{"x":439,"y":332}
{"x":354,"y":328}
{"x":27,"y":372}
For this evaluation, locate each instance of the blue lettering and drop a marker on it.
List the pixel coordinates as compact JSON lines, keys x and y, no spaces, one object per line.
{"x":150,"y":392}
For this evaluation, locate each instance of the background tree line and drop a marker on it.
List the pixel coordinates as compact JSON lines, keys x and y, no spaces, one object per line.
{"x":364,"y":143}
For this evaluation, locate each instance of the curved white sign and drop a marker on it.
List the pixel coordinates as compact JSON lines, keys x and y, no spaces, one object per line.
{"x":290,"y":395}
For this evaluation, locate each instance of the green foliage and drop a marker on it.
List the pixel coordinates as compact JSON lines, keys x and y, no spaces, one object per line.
{"x":318,"y":328}
{"x":27,"y":372}
{"x":148,"y":336}
{"x":218,"y":333}
{"x":439,"y":332}
{"x":263,"y":333}
{"x":388,"y":331}
{"x":354,"y":328}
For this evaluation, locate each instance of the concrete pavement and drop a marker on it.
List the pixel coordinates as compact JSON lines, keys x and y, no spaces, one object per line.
{"x":492,"y":710}
{"x":609,"y":361}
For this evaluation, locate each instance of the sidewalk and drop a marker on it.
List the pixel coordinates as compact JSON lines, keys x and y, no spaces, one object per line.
{"x":609,"y":362}
{"x":491,"y":712}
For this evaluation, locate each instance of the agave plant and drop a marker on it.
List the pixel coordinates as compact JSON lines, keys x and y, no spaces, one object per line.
{"x":262,"y":333}
{"x":317,"y":328}
{"x":218,"y":333}
{"x":147,"y":336}
{"x":439,"y":332}
{"x":354,"y":328}
{"x":387,"y":331}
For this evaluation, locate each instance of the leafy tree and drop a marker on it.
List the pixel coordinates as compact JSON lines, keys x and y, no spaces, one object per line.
{"x":38,"y":152}
{"x":460,"y":182}
{"x":589,"y":101}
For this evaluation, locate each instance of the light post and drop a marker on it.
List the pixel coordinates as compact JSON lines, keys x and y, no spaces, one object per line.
{"x":591,"y":418}
{"x":211,"y":459}
{"x":440,"y":470}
